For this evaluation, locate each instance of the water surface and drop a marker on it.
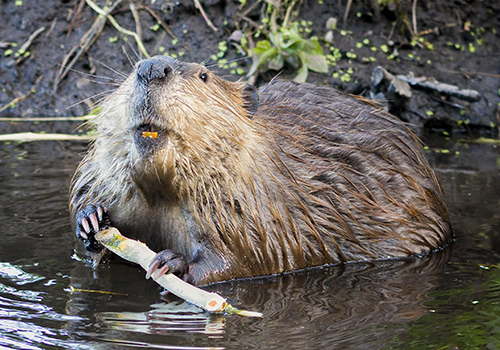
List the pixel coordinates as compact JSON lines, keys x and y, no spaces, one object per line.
{"x":448,"y":300}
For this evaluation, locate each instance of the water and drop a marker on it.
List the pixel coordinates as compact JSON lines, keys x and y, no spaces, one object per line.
{"x":444,"y":301}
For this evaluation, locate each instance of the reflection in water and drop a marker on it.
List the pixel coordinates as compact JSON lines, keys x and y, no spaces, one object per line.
{"x":21,"y":311}
{"x":164,"y":318}
{"x":355,"y":307}
{"x":333,"y":307}
{"x":413,"y":304}
{"x":132,"y":315}
{"x":15,"y":274}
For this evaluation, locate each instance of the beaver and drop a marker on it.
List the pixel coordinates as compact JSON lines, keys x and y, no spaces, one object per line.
{"x":228,"y":181}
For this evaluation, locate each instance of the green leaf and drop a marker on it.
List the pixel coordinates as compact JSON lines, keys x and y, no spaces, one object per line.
{"x":276,"y":63}
{"x":261,"y":47}
{"x":316,"y":63}
{"x":302,"y":76}
{"x":318,"y":50}
{"x":313,"y":46}
{"x":288,"y":37}
{"x":262,"y":58}
{"x":267,"y":55}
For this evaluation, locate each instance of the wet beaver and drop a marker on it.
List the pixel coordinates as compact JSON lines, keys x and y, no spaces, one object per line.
{"x":233,"y":182}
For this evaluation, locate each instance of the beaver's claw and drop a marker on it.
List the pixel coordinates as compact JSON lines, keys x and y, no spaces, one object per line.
{"x":167,"y":261}
{"x":89,"y":221}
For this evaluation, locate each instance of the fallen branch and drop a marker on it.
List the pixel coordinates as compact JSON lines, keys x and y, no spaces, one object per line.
{"x":442,"y":88}
{"x":140,"y":254}
{"x":31,"y":136}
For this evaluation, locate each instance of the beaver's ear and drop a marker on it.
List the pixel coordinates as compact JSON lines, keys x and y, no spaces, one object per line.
{"x":250,"y":99}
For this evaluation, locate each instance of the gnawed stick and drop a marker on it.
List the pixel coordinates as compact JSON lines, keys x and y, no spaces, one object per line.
{"x":140,"y":254}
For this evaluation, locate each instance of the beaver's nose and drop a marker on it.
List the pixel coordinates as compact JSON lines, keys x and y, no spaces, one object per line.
{"x":155,"y":68}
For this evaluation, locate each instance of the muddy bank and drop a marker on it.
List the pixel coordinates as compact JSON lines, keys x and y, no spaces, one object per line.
{"x":459,"y":46}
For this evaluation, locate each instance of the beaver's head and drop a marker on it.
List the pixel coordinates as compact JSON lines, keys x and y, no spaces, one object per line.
{"x":185,"y":122}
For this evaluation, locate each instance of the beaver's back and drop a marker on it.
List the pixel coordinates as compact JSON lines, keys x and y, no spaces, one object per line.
{"x":368,"y":188}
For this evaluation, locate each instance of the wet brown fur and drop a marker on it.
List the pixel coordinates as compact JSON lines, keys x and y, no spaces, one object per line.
{"x":315,"y":176}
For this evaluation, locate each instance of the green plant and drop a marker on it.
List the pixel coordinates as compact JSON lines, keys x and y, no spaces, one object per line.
{"x":286,"y":46}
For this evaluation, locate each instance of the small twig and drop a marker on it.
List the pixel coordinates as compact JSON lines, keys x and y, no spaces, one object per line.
{"x":347,"y":9}
{"x":76,"y":12}
{"x":470,"y":73}
{"x":448,"y":103}
{"x":51,"y":29}
{"x":31,"y":136}
{"x":392,"y":31}
{"x":287,"y":14}
{"x":209,"y":22}
{"x":374,"y":4}
{"x":249,"y":9}
{"x":137,"y":20}
{"x":72,"y":290}
{"x":106,"y":14}
{"x":140,"y":254}
{"x":482,"y":141}
{"x":429,"y":31}
{"x":472,"y":264}
{"x":48,"y":119}
{"x":414,"y":17}
{"x":249,"y":21}
{"x":163,"y":25}
{"x":24,"y":48}
{"x":14,"y":101}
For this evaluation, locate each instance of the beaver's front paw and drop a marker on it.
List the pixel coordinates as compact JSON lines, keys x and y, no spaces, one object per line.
{"x":89,"y":221}
{"x":167,"y":261}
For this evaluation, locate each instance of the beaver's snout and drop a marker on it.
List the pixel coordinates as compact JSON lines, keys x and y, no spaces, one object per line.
{"x":150,"y":131}
{"x":156,"y":68}
{"x":149,"y":127}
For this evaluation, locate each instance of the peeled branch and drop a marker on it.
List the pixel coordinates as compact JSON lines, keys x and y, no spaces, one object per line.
{"x":140,"y":254}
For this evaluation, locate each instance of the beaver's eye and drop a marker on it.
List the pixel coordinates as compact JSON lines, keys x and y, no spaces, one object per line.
{"x":204,"y":77}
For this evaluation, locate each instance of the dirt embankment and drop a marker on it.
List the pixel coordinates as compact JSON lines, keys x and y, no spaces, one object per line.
{"x":459,"y":45}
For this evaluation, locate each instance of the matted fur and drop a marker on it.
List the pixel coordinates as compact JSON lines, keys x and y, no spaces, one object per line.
{"x":314,"y":176}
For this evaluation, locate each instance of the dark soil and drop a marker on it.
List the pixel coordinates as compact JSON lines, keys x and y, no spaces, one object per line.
{"x":465,"y":36}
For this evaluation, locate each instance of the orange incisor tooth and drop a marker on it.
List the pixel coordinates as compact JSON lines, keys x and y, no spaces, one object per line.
{"x":151,"y":134}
